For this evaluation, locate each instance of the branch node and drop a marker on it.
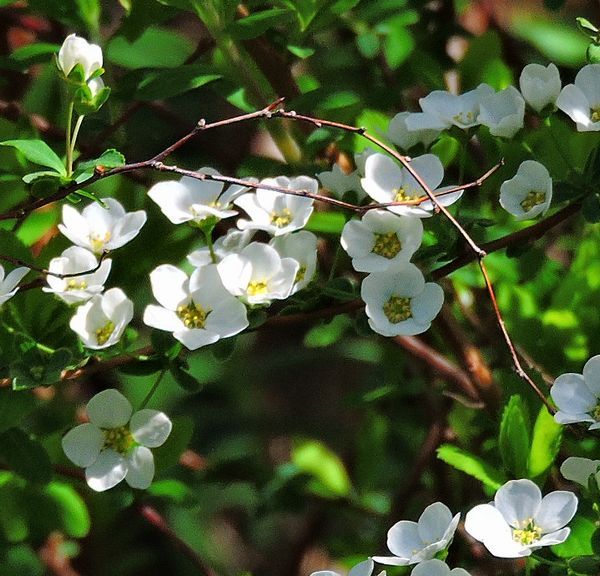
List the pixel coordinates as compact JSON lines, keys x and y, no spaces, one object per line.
{"x":201,"y":124}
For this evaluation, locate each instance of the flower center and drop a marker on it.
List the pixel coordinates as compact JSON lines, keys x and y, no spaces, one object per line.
{"x":595,"y":114}
{"x":193,"y":315}
{"x":119,"y":439}
{"x":300,"y":274}
{"x":256,"y":287}
{"x":98,"y":241}
{"x":397,"y":309}
{"x":595,"y":413}
{"x":74,"y":285}
{"x":103,"y":333}
{"x":387,"y":245}
{"x":400,"y":195}
{"x":281,"y":219}
{"x":532,"y":200}
{"x":463,"y":117}
{"x":527,"y":535}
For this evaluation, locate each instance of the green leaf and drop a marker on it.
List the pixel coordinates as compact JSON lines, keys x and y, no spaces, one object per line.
{"x":579,"y":542}
{"x":32,"y":53}
{"x":14,"y":407}
{"x":173,"y":82}
{"x":110,"y":158}
{"x":513,"y":439}
{"x":397,"y":47}
{"x":183,"y":378}
{"x":585,"y":565}
{"x":38,"y":152}
{"x":472,"y":465}
{"x":327,"y":333}
{"x":73,"y":513}
{"x":25,"y":456}
{"x":316,"y":459}
{"x":586,"y":26}
{"x":368,"y":44}
{"x":545,"y":443}
{"x":13,"y":524}
{"x":168,"y":454}
{"x":326,"y":222}
{"x":155,"y":48}
{"x":258,"y":23}
{"x":300,"y":51}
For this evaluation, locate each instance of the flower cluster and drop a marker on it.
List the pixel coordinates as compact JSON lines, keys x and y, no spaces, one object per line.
{"x":76,"y":277}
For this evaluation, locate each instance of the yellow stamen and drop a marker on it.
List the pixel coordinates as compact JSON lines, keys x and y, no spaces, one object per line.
{"x":400,"y":195}
{"x":387,"y":245}
{"x":193,"y":315}
{"x":527,"y":535}
{"x":256,"y":287}
{"x":300,"y":274}
{"x":74,"y":285}
{"x":98,"y":241}
{"x":119,"y":439}
{"x":281,"y":219}
{"x":103,"y":334}
{"x":532,"y":200}
{"x":397,"y":309}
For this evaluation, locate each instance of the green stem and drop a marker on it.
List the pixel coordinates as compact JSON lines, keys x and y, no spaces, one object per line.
{"x":548,"y":562}
{"x":38,"y":345}
{"x":208,"y":237}
{"x":73,"y":142}
{"x":152,"y":390}
{"x":69,"y":153}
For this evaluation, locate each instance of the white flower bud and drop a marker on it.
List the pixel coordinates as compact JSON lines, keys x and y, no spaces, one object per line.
{"x":540,"y":85}
{"x":76,"y":50}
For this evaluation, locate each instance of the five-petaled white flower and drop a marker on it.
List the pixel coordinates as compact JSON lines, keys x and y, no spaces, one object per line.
{"x":385,"y":181}
{"x":503,"y":112}
{"x":339,"y":182}
{"x":381,"y":240}
{"x":9,"y":284}
{"x":198,"y":310}
{"x":101,"y":321}
{"x":115,"y":444}
{"x":413,"y":542}
{"x":76,"y":288}
{"x":302,"y":247}
{"x":233,"y":241}
{"x":191,"y":199}
{"x":577,"y":396}
{"x":579,"y":470}
{"x":540,"y":85}
{"x":274,"y":212}
{"x":364,"y":568}
{"x":581,"y":101}
{"x":399,"y":302}
{"x":406,"y":137}
{"x":76,"y":50}
{"x":98,"y":228}
{"x":258,"y":274}
{"x":442,"y":109}
{"x":529,"y":193}
{"x":520,"y":521}
{"x":437,"y":568}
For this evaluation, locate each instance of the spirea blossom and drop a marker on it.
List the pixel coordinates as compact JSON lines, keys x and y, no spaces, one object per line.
{"x":77,"y":288}
{"x":577,"y":396}
{"x":191,"y":199}
{"x":198,"y":310}
{"x":9,"y":283}
{"x":339,"y":182}
{"x":98,"y":228}
{"x":385,"y":181}
{"x":413,"y":542}
{"x":581,"y":101}
{"x":399,"y":302}
{"x":276,"y":212}
{"x":529,"y":193}
{"x":364,"y":568}
{"x":258,"y":274}
{"x":76,"y":50}
{"x":301,"y":246}
{"x":540,"y":85}
{"x":101,"y":321}
{"x":234,"y":241}
{"x":115,"y":443}
{"x":579,"y":470}
{"x":503,"y":112}
{"x":381,"y":240}
{"x":520,"y":521}
{"x":401,"y":135}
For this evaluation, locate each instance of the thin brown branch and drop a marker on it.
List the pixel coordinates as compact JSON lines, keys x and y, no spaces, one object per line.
{"x":46,"y":272}
{"x":52,"y":555}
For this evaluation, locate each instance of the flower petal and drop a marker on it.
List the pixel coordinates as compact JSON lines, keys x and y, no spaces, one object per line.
{"x":107,"y":471}
{"x":433,"y":522}
{"x":82,"y":444}
{"x":109,"y":409}
{"x":140,"y":468}
{"x":556,"y":510}
{"x":150,"y":428}
{"x":403,"y":539}
{"x":518,"y":500}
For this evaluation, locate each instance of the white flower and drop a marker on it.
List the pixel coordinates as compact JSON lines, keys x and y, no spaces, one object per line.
{"x":101,"y":321}
{"x":399,"y":302}
{"x":540,"y":85}
{"x":520,"y":520}
{"x":338,"y":182}
{"x":442,"y":109}
{"x":581,"y":101}
{"x":258,"y":274}
{"x":385,"y":181}
{"x":360,"y":159}
{"x":577,"y":396}
{"x":437,"y":568}
{"x":77,"y":288}
{"x":233,"y":241}
{"x":76,"y":50}
{"x":9,"y":284}
{"x":96,"y":85}
{"x":381,"y":240}
{"x":503,"y":112}
{"x":580,"y":469}
{"x":302,"y":247}
{"x":364,"y":568}
{"x":115,"y":444}
{"x":198,"y":310}
{"x":413,"y":542}
{"x":406,"y":137}
{"x":529,"y":193}
{"x":276,"y":212}
{"x":194,"y":199}
{"x":98,"y":228}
